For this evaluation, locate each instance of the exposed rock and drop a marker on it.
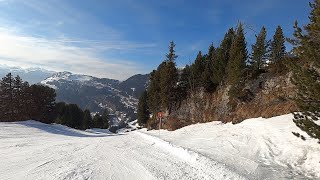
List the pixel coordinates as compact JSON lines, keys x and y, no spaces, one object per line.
{"x":266,"y":96}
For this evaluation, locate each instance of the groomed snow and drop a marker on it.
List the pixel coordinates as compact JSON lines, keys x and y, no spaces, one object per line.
{"x":254,"y":149}
{"x":32,"y":150}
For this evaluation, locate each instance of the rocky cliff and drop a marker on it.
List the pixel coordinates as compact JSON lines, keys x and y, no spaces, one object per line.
{"x":266,"y":96}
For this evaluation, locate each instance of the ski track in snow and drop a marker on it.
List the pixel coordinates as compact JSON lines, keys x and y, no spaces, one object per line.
{"x":32,"y":150}
{"x":255,"y":149}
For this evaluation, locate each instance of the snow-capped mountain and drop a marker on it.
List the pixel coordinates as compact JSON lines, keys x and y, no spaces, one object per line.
{"x":97,"y":94}
{"x":32,"y":75}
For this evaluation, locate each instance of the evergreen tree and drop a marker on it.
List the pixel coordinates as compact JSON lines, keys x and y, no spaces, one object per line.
{"x":60,"y":110}
{"x":307,"y":72}
{"x":73,"y":116}
{"x":105,"y":119}
{"x":197,"y":70}
{"x":15,"y":99}
{"x":184,"y":84}
{"x":277,"y":51}
{"x":154,"y":91}
{"x":97,"y":121}
{"x":222,"y":57}
{"x":171,"y":56}
{"x":6,"y":98}
{"x":143,"y":110}
{"x":208,"y":70}
{"x":168,"y":79}
{"x":42,"y":103}
{"x":237,"y":62}
{"x":18,"y":99}
{"x":259,"y":52}
{"x":25,"y":100}
{"x":87,"y":120}
{"x":185,"y":78}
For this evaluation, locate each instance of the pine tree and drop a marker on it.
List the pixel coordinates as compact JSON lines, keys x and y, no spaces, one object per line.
{"x":208,"y":70}
{"x":105,"y":119}
{"x":43,"y":103}
{"x":307,"y":72}
{"x":222,"y":57}
{"x":277,"y":51}
{"x":259,"y":52}
{"x":237,"y":62}
{"x":6,"y":98}
{"x":153,"y":90}
{"x":168,"y":79}
{"x":197,"y":70}
{"x":17,"y":103}
{"x":73,"y":116}
{"x":60,"y":110}
{"x":143,"y":110}
{"x":25,"y":100}
{"x":184,"y":84}
{"x":171,"y":56}
{"x":87,"y":120}
{"x":97,"y":121}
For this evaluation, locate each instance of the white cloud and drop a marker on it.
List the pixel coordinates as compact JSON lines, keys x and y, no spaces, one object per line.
{"x":78,"y":56}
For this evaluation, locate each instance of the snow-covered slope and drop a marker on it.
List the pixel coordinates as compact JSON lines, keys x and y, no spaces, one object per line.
{"x":256,"y":148}
{"x":32,"y":150}
{"x":68,"y":77}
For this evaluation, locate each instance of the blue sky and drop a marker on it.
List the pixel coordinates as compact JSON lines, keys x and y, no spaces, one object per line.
{"x":119,"y":38}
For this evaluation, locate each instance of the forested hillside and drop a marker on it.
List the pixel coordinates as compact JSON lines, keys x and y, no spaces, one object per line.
{"x":228,"y":83}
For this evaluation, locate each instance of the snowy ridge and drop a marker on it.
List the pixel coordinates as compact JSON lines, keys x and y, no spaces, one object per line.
{"x":206,"y":167}
{"x":66,"y":76}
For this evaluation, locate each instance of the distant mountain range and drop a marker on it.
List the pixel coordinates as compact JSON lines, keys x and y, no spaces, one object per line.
{"x":97,"y":94}
{"x":32,"y":75}
{"x":88,"y":92}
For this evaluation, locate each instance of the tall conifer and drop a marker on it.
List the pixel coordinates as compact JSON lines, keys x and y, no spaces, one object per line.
{"x":143,"y":110}
{"x":259,"y":51}
{"x":237,"y":62}
{"x":6,"y":98}
{"x":208,"y":70}
{"x":277,"y":51}
{"x":197,"y":69}
{"x":222,"y":57}
{"x":307,"y":72}
{"x":168,"y":78}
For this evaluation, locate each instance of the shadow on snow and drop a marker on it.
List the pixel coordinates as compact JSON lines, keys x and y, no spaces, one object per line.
{"x":67,"y":131}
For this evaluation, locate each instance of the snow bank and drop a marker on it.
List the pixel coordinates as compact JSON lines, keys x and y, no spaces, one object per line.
{"x":208,"y":167}
{"x":256,"y":148}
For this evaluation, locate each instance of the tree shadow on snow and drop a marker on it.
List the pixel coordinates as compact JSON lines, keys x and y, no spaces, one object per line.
{"x":67,"y":131}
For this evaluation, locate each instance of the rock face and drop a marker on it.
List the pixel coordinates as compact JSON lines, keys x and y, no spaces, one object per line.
{"x":266,"y":96}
